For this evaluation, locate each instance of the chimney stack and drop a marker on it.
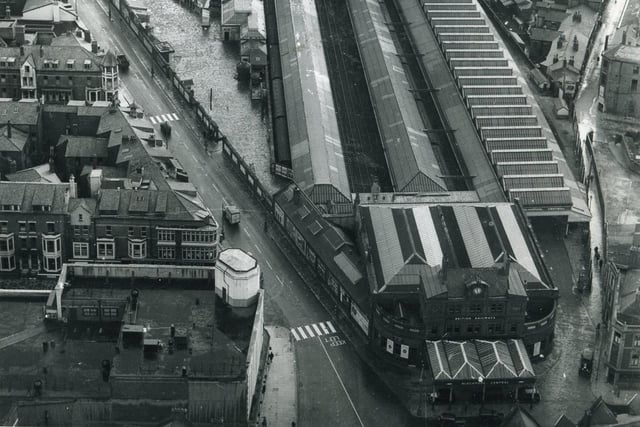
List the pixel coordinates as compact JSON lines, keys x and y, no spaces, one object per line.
{"x":41,"y":51}
{"x":296,"y":196}
{"x":73,"y":187}
{"x":9,"y":129}
{"x":21,"y":50}
{"x":7,"y":12}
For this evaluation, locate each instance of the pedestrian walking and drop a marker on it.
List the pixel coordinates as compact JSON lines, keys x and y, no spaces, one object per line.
{"x":264,"y":421}
{"x":601,"y":262}
{"x":270,"y":356}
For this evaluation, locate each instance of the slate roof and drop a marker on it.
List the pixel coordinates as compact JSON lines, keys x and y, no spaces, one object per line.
{"x":329,"y":243}
{"x":26,"y":195}
{"x":19,"y":113}
{"x":519,"y":417}
{"x":61,"y":53}
{"x":316,"y":150}
{"x":89,"y":204}
{"x":624,"y":53}
{"x":544,"y":34}
{"x":84,"y":146}
{"x":17,"y":141}
{"x":469,"y":360}
{"x":472,"y":237}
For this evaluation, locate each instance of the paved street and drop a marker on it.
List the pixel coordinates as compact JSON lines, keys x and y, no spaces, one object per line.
{"x":331,"y":379}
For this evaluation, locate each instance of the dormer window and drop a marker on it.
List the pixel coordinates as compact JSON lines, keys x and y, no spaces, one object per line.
{"x":10,"y":207}
{"x":87,"y":64}
{"x":70,"y":63}
{"x":27,"y":69}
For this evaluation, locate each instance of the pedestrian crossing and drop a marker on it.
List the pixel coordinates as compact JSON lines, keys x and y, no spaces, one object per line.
{"x":161,"y":118}
{"x":312,"y":330}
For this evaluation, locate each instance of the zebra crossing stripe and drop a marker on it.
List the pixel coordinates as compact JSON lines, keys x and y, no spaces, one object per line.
{"x":315,"y":328}
{"x":175,"y":116}
{"x":333,"y":330}
{"x":164,"y":117}
{"x":302,"y":334}
{"x":293,"y":331}
{"x":153,"y":120}
{"x":324,"y":328}
{"x":309,"y":330}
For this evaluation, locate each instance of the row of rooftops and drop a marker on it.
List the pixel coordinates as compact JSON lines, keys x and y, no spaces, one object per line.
{"x":316,"y":150}
{"x":504,"y":112}
{"x":408,"y":148}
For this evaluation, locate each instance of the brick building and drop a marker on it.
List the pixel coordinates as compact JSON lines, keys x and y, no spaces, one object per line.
{"x":624,"y":345}
{"x":57,"y":73}
{"x":32,"y":226}
{"x":619,"y":76}
{"x":456,"y":270}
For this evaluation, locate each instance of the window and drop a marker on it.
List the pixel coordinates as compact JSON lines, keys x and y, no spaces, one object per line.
{"x":80,"y":218}
{"x":130,"y":231}
{"x":143,"y":232}
{"x":90,"y":311}
{"x":636,"y":341}
{"x":85,"y":229}
{"x":197,"y":253}
{"x":77,"y":230}
{"x":4,"y":227}
{"x":634,"y":85}
{"x":106,"y":249}
{"x":80,"y":250}
{"x":495,"y":328}
{"x":616,"y":338}
{"x":7,"y":263}
{"x":166,"y":235}
{"x":22,"y":226}
{"x":454,"y":309}
{"x":198,"y":236}
{"x":27,"y":69}
{"x":51,"y":227}
{"x":107,"y":230}
{"x":110,"y":312}
{"x":32,"y":227}
{"x":137,"y":248}
{"x":46,"y":79}
{"x":514,"y":328}
{"x":52,"y":263}
{"x":456,"y":329}
{"x":475,"y":309}
{"x":635,"y":360}
{"x":497,"y":307}
{"x":33,"y":243}
{"x":6,"y":244}
{"x":636,"y":69}
{"x":166,"y":252}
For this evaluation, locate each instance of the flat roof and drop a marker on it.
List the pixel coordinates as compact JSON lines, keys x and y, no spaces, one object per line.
{"x":412,"y":162}
{"x":316,"y":150}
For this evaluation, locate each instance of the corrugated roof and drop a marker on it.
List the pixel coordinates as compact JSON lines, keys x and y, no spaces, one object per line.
{"x":407,"y":148}
{"x":316,"y":149}
{"x":408,"y":243}
{"x":474,"y":359}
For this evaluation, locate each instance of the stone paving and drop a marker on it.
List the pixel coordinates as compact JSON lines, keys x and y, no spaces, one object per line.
{"x":202,"y":56}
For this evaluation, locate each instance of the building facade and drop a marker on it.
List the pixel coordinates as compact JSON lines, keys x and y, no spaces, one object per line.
{"x":619,"y":75}
{"x":32,"y":227}
{"x":624,"y":345}
{"x":57,"y":73}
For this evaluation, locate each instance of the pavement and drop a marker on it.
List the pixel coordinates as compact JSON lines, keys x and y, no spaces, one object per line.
{"x":280,"y":399}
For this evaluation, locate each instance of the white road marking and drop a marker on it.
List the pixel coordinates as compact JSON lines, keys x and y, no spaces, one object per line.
{"x":279,"y":280}
{"x":153,"y":120}
{"x":302,"y":334}
{"x":309,"y":330}
{"x":333,"y":330}
{"x":258,"y":248}
{"x":315,"y":328}
{"x":341,"y":383}
{"x":215,"y":186}
{"x":324,"y":328}
{"x":175,"y":116}
{"x":194,"y":157}
{"x":245,"y":230}
{"x":293,"y":331}
{"x":269,"y":264}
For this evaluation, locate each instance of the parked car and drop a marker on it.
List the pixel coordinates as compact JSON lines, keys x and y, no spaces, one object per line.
{"x":123,"y":63}
{"x":586,"y":363}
